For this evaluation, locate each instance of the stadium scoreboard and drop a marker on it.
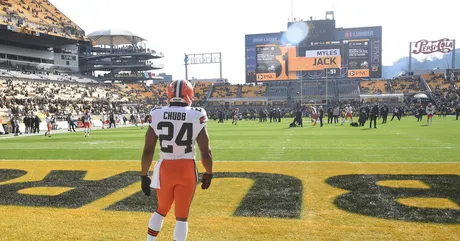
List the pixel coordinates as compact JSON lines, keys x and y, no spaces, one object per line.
{"x":351,"y":53}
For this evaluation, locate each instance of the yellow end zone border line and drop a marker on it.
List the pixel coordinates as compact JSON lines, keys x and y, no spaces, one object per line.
{"x":302,"y":161}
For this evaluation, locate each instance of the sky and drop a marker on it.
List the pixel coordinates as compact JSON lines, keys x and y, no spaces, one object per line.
{"x":175,"y":27}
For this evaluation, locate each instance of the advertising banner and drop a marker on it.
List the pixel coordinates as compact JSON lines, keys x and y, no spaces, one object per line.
{"x":358,"y":73}
{"x":315,"y":60}
{"x":271,"y":63}
{"x":423,"y":46}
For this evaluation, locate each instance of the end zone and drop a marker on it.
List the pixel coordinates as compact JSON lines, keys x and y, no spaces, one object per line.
{"x":319,"y":200}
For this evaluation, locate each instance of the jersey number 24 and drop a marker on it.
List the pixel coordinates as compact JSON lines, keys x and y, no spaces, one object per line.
{"x":185,"y":131}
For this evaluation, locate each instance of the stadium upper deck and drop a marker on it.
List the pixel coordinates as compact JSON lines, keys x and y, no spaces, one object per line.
{"x":120,"y":55}
{"x":37,"y":17}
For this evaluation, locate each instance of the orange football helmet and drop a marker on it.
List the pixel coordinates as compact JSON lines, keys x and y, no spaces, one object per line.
{"x":180,"y":91}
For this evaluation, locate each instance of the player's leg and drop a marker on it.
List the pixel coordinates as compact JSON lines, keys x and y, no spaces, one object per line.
{"x":183,"y":196}
{"x":183,"y":199}
{"x":49,"y":130}
{"x":165,"y":197}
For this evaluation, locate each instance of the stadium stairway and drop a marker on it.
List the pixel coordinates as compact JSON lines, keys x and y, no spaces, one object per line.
{"x":427,"y":86}
{"x":240,"y":88}
{"x":210,"y":92}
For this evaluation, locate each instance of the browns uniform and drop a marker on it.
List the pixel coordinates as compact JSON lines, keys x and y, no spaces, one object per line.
{"x":87,"y":122}
{"x":177,"y":127}
{"x":49,"y":125}
{"x":430,"y":110}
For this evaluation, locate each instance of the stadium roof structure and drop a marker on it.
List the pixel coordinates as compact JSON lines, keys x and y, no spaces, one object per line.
{"x":114,"y":37}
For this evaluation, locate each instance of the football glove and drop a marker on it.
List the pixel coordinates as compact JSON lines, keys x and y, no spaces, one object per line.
{"x":146,"y":185}
{"x":206,"y":181}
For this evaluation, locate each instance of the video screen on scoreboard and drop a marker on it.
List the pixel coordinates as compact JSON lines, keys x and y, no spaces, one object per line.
{"x":336,"y":59}
{"x":271,"y":63}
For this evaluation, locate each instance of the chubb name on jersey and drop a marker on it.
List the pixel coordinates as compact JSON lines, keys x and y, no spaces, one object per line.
{"x":174,"y":116}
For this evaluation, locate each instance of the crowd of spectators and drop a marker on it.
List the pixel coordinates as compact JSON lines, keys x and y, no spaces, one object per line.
{"x":225,"y":91}
{"x":251,"y":90}
{"x":9,"y":71}
{"x":396,"y":85}
{"x":38,"y":16}
{"x":20,"y":98}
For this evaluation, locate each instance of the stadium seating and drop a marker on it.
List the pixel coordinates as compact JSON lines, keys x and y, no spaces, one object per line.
{"x":406,"y":85}
{"x":160,"y":92}
{"x":373,"y":87}
{"x":225,"y":91}
{"x":348,"y":89}
{"x":24,"y":97}
{"x":44,"y":75}
{"x":456,"y":81}
{"x":202,"y":90}
{"x":313,"y":88}
{"x":251,"y":91}
{"x":436,"y":81}
{"x":38,"y":16}
{"x":278,"y":89}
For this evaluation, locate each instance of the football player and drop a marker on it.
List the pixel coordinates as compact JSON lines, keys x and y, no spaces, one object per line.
{"x":103,"y":119}
{"x":314,"y":115}
{"x":142,"y":119}
{"x":429,"y":114}
{"x":236,"y":116}
{"x":49,"y":124}
{"x":176,"y":128}
{"x":349,"y":113}
{"x":87,"y":122}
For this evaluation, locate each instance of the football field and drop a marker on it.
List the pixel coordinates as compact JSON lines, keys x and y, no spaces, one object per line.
{"x":400,"y":181}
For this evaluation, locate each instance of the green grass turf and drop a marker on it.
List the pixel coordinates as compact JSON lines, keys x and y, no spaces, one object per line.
{"x":396,"y":141}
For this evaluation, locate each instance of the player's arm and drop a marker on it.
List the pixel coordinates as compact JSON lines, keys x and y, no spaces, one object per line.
{"x":149,"y":149}
{"x":147,"y":157}
{"x":205,"y":150}
{"x":206,"y":157}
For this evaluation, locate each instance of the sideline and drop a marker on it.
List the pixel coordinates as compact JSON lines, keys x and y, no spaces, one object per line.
{"x":61,"y":131}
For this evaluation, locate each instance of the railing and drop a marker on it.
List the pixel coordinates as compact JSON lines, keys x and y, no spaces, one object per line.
{"x":160,"y":66}
{"x":427,"y":86}
{"x":129,"y":50}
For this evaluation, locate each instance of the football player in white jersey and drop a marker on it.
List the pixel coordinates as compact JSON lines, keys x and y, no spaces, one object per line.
{"x":348,"y":113}
{"x":314,"y":115}
{"x":87,"y":122}
{"x":175,"y":176}
{"x":430,"y":110}
{"x":142,"y":119}
{"x":103,"y":119}
{"x":49,"y":124}
{"x":236,"y":116}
